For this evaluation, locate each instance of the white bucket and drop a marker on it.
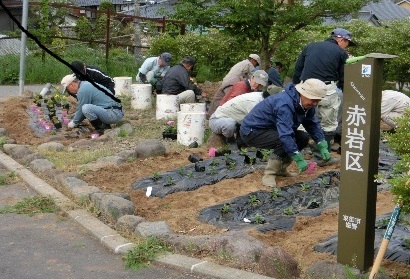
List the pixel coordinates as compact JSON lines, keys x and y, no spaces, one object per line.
{"x":193,"y":107}
{"x":191,"y":127}
{"x":167,"y":106}
{"x":122,"y":86}
{"x":141,"y":96}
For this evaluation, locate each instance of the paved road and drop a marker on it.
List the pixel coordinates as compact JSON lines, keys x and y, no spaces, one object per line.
{"x":49,"y":246}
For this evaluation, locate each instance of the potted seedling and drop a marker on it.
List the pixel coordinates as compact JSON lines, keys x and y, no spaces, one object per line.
{"x":170,"y":130}
{"x":56,"y":122}
{"x":249,"y":160}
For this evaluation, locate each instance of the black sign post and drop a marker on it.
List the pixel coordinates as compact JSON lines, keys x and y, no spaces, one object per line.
{"x":359,"y":162}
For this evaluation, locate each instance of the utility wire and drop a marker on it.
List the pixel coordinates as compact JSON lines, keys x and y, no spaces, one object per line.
{"x":58,"y":58}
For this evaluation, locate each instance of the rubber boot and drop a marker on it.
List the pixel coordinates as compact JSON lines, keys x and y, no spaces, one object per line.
{"x":273,"y":168}
{"x":317,"y":157}
{"x":284,"y":172}
{"x":98,"y":126}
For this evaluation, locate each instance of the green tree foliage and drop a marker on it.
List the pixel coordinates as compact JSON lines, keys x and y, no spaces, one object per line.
{"x":263,"y":23}
{"x":215,"y":52}
{"x":83,"y":28}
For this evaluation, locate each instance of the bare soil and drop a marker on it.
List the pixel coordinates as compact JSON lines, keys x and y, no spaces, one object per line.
{"x":180,"y":210}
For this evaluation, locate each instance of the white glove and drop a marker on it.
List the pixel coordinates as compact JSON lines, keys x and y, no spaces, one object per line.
{"x":71,"y":124}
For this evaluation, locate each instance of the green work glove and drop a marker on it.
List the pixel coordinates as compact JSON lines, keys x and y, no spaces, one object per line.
{"x":300,"y":162}
{"x":323,"y":148}
{"x":153,"y":81}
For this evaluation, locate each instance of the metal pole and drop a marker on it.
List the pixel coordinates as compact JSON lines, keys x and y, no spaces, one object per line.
{"x":23,"y":47}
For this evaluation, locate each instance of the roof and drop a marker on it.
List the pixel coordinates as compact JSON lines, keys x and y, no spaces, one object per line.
{"x":9,"y":46}
{"x":386,"y":10}
{"x":87,"y":3}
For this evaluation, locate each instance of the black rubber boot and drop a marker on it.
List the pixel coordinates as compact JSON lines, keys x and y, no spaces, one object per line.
{"x":98,"y":126}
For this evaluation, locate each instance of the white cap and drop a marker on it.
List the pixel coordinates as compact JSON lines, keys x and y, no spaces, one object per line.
{"x":67,"y":80}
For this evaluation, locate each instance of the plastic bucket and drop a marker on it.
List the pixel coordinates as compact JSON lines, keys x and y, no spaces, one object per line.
{"x":191,"y":127}
{"x":122,"y":86}
{"x":167,"y":106}
{"x":141,"y":96}
{"x":193,"y":107}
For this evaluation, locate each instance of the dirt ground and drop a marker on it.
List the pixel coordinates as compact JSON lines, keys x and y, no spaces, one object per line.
{"x":181,"y":209}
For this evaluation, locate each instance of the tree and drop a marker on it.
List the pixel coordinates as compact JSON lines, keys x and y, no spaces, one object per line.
{"x":265,"y":23}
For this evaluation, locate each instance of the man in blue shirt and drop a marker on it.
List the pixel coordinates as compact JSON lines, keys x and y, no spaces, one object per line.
{"x":273,"y":124}
{"x":98,"y":106}
{"x":154,"y":69}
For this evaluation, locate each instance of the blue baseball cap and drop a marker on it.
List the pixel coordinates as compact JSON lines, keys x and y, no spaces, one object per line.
{"x":343,"y":33}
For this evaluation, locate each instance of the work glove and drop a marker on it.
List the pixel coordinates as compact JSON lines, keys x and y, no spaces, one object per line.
{"x":71,"y":124}
{"x":142,"y":77}
{"x":153,"y":81}
{"x":323,"y":148}
{"x":300,"y":162}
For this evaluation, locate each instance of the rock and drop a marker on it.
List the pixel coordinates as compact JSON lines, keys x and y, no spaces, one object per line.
{"x":127,"y":154}
{"x":128,"y":223}
{"x":276,"y":263}
{"x":114,"y":160}
{"x":82,"y":143}
{"x":3,"y":132}
{"x":150,"y":148}
{"x":146,"y":229}
{"x":16,"y":151}
{"x":113,"y":207}
{"x":217,"y":141}
{"x":42,"y":165}
{"x":71,"y":182}
{"x":81,"y":192}
{"x":52,"y":146}
{"x":127,"y":127}
{"x":30,"y":157}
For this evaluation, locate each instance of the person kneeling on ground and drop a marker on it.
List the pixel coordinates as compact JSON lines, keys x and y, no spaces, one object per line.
{"x":177,"y":81}
{"x":225,"y":120}
{"x":273,"y":124}
{"x":99,"y":107}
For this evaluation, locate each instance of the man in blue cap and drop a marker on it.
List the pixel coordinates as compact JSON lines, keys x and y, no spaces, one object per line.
{"x":154,"y":69}
{"x":325,"y":61}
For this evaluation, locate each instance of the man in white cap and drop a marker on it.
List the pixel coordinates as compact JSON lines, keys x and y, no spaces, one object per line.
{"x":325,"y":61}
{"x":100,"y":107}
{"x":238,"y":72}
{"x":273,"y":124}
{"x":154,"y":68}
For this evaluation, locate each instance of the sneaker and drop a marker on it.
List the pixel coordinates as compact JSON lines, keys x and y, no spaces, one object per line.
{"x":322,"y":163}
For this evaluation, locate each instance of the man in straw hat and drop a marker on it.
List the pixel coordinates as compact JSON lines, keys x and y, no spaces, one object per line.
{"x":273,"y":124}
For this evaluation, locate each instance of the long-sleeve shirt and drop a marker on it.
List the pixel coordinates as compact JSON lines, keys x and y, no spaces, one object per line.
{"x":238,"y":107}
{"x":284,"y":113}
{"x":237,"y":89}
{"x":241,"y":69}
{"x":151,"y":65}
{"x":394,"y":104}
{"x":177,"y":80}
{"x":88,"y":94}
{"x":274,"y":77}
{"x":321,"y":60}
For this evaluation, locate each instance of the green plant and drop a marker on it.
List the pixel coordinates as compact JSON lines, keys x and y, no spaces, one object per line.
{"x":253,"y":200}
{"x":304,"y":187}
{"x":171,"y":127}
{"x":190,"y":174}
{"x":7,"y":178}
{"x":232,"y":165}
{"x":155,"y":176}
{"x":31,"y":206}
{"x":215,"y":162}
{"x":3,"y":141}
{"x":407,"y":243}
{"x":169,"y":181}
{"x":288,"y":210}
{"x":182,"y":170}
{"x":225,"y":209}
{"x":243,"y":151}
{"x":259,"y":219}
{"x":266,"y":153}
{"x":212,"y":169}
{"x":122,"y":133}
{"x":274,"y":193}
{"x":144,"y":252}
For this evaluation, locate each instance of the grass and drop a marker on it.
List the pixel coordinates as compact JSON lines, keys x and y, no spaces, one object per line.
{"x":66,"y":160}
{"x":8,"y":178}
{"x":145,"y":252}
{"x":31,"y":206}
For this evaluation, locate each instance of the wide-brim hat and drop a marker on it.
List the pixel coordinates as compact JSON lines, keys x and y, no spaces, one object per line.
{"x":255,"y":57}
{"x":312,"y":88}
{"x":260,"y":77}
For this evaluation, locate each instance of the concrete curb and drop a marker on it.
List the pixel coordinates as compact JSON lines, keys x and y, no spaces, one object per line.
{"x":110,"y":238}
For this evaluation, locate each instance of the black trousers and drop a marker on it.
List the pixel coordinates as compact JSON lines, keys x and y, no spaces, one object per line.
{"x":269,"y":139}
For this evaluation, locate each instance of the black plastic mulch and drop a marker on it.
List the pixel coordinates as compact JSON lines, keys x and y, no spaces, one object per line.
{"x":276,"y":210}
{"x":399,"y":246}
{"x":195,"y":175}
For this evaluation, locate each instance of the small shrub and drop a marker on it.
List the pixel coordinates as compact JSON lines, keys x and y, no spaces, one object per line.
{"x":144,"y":253}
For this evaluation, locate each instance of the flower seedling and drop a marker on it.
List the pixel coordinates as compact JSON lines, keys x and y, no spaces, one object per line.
{"x":259,"y":218}
{"x":171,"y":127}
{"x":212,"y":169}
{"x":253,"y":200}
{"x":182,"y":170}
{"x":304,"y":187}
{"x":232,"y":165}
{"x":169,"y":181}
{"x":274,"y":193}
{"x":243,"y":151}
{"x":190,"y":174}
{"x":155,"y":176}
{"x":225,"y":209}
{"x":288,"y":210}
{"x":266,"y":153}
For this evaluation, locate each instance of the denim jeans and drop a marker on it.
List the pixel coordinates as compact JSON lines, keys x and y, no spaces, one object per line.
{"x":107,"y":116}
